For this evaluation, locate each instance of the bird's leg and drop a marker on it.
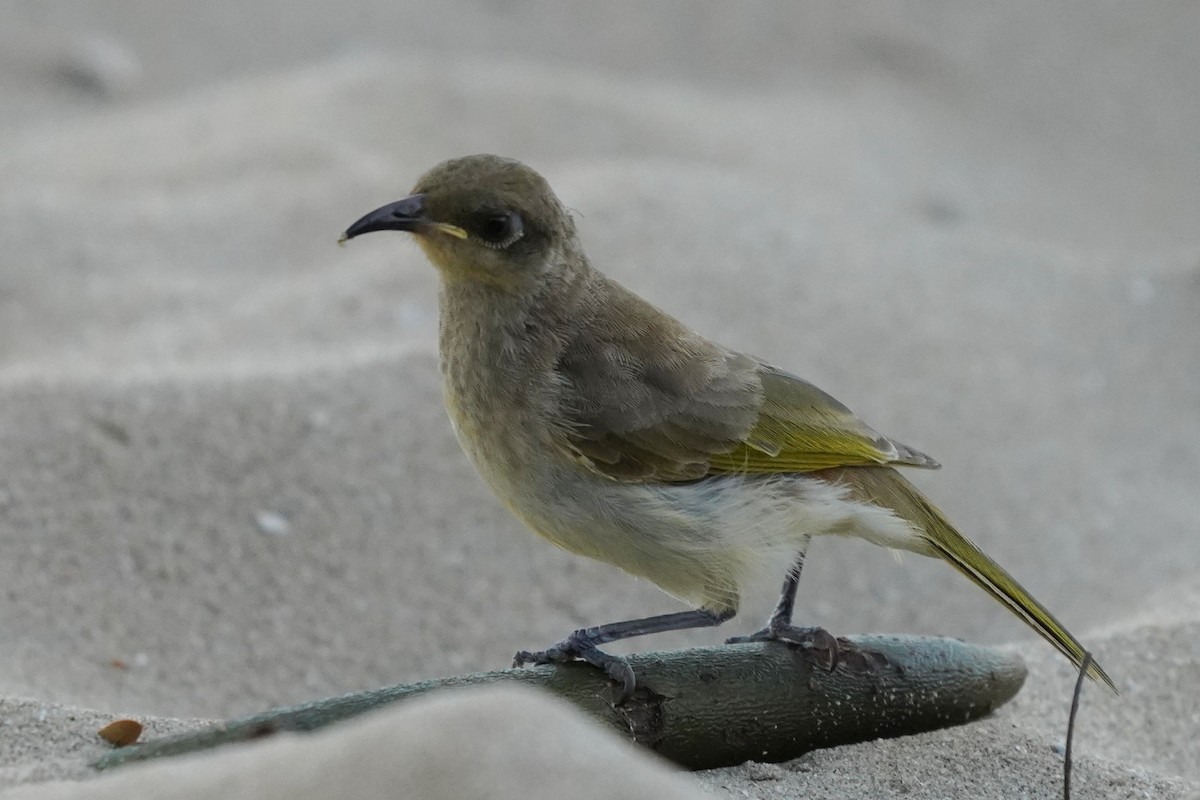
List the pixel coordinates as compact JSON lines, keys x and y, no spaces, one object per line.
{"x":780,"y":628}
{"x":584,"y":643}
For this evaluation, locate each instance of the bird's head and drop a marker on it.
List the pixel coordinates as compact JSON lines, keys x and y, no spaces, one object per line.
{"x":482,"y":218}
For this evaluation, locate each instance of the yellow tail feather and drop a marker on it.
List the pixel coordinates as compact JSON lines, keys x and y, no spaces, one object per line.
{"x":888,"y":488}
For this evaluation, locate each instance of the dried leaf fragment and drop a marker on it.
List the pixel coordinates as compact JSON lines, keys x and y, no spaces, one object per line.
{"x":121,"y":733}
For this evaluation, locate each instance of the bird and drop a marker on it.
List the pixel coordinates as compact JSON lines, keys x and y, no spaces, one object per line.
{"x":617,"y":433}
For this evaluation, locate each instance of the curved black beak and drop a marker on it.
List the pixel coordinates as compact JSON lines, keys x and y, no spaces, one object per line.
{"x":408,"y":215}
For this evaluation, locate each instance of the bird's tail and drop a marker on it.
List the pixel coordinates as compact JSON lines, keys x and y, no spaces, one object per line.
{"x":888,"y":488}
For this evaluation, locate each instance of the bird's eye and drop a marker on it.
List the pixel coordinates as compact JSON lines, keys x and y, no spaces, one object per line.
{"x":501,"y":230}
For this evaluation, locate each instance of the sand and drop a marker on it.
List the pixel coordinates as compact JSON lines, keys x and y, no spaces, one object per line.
{"x":227,"y":482}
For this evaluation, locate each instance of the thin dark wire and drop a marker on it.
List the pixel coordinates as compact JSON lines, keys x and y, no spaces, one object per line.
{"x":1084,"y":666}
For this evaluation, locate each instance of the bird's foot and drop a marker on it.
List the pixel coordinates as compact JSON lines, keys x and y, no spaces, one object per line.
{"x":824,"y":645}
{"x":578,"y":647}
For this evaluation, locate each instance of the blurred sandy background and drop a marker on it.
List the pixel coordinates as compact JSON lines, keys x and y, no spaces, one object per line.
{"x":226,"y":479}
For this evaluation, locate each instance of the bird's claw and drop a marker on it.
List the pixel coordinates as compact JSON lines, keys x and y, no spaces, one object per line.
{"x":573,"y":648}
{"x":551,"y":655}
{"x":819,"y":641}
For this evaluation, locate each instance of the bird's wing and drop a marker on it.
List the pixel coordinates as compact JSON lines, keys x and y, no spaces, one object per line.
{"x":802,"y":429}
{"x":652,"y":401}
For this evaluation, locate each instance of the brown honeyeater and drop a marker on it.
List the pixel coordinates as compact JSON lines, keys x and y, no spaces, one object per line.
{"x":617,"y":433}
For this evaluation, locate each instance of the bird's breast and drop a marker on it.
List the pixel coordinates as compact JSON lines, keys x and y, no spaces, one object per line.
{"x":502,"y":407}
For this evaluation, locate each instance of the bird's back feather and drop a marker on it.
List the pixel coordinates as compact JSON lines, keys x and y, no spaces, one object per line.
{"x":653,"y":401}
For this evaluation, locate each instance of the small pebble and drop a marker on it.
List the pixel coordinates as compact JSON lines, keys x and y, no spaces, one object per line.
{"x":272,"y":523}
